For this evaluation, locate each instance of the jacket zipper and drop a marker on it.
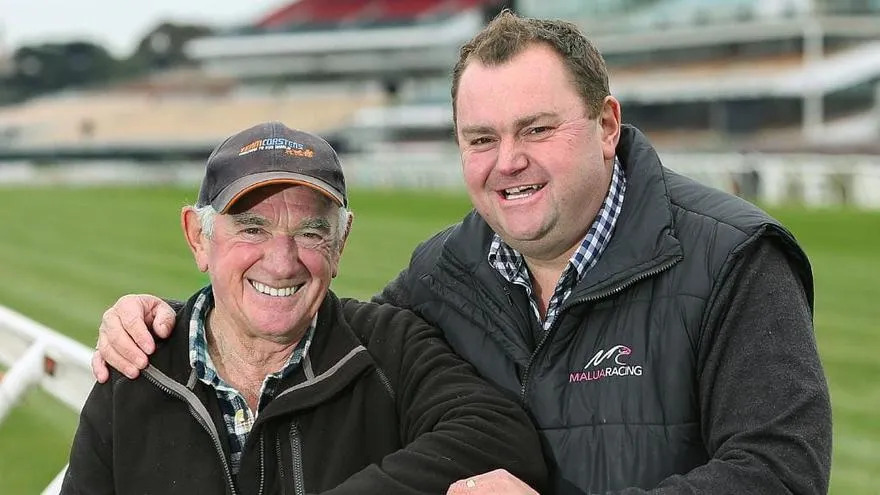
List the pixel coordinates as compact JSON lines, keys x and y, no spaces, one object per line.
{"x":203,"y":422}
{"x":280,"y":464}
{"x":262,"y":463}
{"x":299,"y":482}
{"x":592,"y":298}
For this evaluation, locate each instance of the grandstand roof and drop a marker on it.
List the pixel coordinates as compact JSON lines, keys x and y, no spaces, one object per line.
{"x":323,"y":12}
{"x":321,"y":40}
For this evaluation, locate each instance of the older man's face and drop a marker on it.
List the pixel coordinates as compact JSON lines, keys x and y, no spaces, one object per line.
{"x":271,"y":261}
{"x":537,"y":168}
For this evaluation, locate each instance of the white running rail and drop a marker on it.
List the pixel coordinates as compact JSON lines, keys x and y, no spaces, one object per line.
{"x":37,"y":355}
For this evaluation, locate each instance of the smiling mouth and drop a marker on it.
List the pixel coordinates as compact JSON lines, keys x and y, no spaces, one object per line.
{"x":520,"y":192}
{"x":274,"y":291}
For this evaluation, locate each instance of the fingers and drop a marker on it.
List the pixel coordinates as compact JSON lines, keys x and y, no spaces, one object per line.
{"x":494,"y":482}
{"x":162,"y":315}
{"x":137,"y":313}
{"x":467,"y":486}
{"x":106,"y":352}
{"x":99,"y":367}
{"x":123,"y":338}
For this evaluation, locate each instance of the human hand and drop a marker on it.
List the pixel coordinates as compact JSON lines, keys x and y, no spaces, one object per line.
{"x":124,"y":338}
{"x":494,"y":482}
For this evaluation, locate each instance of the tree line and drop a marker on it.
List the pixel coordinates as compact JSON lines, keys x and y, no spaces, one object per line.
{"x":50,"y":67}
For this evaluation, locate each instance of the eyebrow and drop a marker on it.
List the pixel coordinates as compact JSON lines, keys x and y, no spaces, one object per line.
{"x":316,"y":223}
{"x":476,"y":129}
{"x":248,"y":218}
{"x":531,"y":119}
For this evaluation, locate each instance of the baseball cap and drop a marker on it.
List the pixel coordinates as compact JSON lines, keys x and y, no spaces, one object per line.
{"x":270,"y":153}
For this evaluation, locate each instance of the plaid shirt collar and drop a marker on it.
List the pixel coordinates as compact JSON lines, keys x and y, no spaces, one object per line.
{"x":513,"y":268}
{"x":236,"y":413}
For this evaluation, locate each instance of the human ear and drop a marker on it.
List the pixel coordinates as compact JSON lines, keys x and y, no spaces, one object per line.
{"x":342,"y":244}
{"x":198,"y":243}
{"x":609,"y":124}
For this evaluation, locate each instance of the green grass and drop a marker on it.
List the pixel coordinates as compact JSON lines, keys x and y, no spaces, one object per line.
{"x":34,"y":443}
{"x":66,"y":254}
{"x":844,"y":247}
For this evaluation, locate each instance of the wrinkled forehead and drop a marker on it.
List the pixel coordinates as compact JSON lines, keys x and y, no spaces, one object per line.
{"x":287,"y":200}
{"x":287,"y":193}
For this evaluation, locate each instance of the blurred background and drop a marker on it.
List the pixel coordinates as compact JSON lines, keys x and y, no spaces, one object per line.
{"x":108,"y":110}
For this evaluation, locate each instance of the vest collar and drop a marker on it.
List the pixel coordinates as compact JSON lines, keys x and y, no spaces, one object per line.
{"x":644,"y":237}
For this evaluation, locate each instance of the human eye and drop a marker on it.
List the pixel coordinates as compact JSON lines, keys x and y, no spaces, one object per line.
{"x":538,"y":129}
{"x":252,"y":233}
{"x":311,"y":239}
{"x":480,"y":141}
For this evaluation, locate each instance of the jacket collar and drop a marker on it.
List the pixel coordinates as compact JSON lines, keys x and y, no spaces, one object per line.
{"x":644,"y":237}
{"x":334,"y":346}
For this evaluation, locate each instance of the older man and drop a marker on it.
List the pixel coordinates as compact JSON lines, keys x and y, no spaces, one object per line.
{"x":273,"y":385}
{"x":658,"y":331}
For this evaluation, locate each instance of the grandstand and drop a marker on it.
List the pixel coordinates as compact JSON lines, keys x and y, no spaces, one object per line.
{"x":747,"y":75}
{"x":158,"y":113}
{"x":710,"y":75}
{"x":314,"y":64}
{"x":320,"y":40}
{"x":732,"y":75}
{"x":743,"y":75}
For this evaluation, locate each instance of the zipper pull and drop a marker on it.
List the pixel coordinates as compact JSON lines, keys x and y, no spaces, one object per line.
{"x":507,"y":293}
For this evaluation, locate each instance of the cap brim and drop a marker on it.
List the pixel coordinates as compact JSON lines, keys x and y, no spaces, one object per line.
{"x":234,"y":191}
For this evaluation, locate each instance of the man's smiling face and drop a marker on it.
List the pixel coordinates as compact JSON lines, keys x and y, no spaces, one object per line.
{"x":536,"y":166}
{"x":271,"y":260}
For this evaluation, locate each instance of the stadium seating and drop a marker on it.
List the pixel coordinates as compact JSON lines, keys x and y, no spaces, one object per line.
{"x":123,"y":117}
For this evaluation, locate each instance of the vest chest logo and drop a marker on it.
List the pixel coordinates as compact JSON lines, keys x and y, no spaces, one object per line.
{"x":607,"y":364}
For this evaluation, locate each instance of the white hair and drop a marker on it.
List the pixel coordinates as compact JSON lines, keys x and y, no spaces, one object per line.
{"x":207,"y":214}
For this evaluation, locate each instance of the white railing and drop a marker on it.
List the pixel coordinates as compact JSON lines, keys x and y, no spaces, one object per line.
{"x":812,"y":180}
{"x":37,"y":355}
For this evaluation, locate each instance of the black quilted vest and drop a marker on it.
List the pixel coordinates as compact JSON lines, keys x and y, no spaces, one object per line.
{"x":612,"y":386}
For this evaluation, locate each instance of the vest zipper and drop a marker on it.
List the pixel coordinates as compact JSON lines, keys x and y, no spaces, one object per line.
{"x":592,"y":298}
{"x":299,"y":483}
{"x":506,"y":290}
{"x":170,"y":389}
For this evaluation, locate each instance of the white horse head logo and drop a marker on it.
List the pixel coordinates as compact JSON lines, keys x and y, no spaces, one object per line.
{"x":617,"y":352}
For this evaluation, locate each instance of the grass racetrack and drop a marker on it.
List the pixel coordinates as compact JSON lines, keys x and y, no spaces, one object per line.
{"x":68,"y":253}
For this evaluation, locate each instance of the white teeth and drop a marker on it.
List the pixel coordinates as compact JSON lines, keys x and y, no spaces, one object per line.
{"x":521,"y":191}
{"x":272,"y":291}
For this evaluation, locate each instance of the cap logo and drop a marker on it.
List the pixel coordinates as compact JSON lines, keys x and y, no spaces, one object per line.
{"x":290,"y":147}
{"x":307,"y":153}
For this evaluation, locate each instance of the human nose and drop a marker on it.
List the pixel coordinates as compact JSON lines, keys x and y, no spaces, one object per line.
{"x":511,"y":157}
{"x":282,"y":256}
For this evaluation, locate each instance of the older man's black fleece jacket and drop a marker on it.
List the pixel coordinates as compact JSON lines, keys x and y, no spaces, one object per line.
{"x":381,"y":405}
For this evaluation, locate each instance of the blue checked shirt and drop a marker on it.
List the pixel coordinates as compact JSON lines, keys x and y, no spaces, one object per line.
{"x":236,"y":413}
{"x":513,"y":268}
